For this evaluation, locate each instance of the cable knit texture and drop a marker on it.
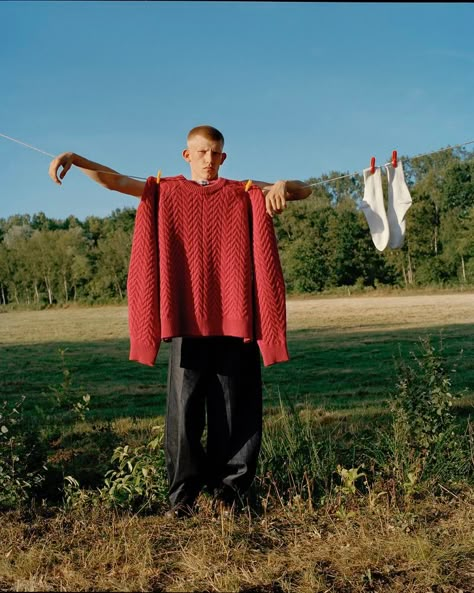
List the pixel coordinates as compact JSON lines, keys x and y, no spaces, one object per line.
{"x":205,"y":262}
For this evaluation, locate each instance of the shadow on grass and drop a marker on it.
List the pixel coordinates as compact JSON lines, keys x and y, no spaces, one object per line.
{"x":344,"y":371}
{"x":118,"y":387}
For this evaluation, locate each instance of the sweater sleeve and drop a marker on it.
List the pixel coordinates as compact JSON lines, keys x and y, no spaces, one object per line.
{"x":270,"y":302}
{"x":143,"y":280}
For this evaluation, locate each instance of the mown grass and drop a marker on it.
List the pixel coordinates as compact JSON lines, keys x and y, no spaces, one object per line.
{"x":119,"y":388}
{"x":333,"y":369}
{"x":348,"y":370}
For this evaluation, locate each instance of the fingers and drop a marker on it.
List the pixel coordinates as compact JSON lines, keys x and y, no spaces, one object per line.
{"x":53,"y":170}
{"x":275,"y":198}
{"x":61,"y":161}
{"x":66,"y":168}
{"x":269,"y":209}
{"x":273,"y":208}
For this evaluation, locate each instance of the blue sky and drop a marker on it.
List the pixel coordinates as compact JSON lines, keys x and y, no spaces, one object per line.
{"x":298,"y":89}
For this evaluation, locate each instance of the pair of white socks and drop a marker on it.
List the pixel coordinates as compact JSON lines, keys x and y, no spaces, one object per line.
{"x":387,"y":229}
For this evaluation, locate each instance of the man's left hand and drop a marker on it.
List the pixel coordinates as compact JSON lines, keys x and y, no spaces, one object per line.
{"x":275,"y":197}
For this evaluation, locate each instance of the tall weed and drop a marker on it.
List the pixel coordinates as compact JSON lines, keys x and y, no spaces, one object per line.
{"x":296,"y":459}
{"x":66,"y":404}
{"x":22,"y":457}
{"x":425,"y":444}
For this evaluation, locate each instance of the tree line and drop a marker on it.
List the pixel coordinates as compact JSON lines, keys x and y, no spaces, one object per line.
{"x":324,"y":241}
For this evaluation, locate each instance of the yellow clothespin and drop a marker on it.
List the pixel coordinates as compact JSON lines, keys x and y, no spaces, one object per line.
{"x":158,"y":177}
{"x":248,"y":184}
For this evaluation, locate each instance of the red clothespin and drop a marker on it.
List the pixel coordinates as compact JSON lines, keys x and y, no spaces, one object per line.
{"x":372,"y":165}
{"x":394,"y":158}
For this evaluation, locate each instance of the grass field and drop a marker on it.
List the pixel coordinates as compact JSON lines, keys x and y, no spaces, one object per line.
{"x":385,"y":536}
{"x":342,"y":352}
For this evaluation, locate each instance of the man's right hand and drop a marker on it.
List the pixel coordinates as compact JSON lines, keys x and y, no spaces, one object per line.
{"x":105,"y":176}
{"x":64,"y":160}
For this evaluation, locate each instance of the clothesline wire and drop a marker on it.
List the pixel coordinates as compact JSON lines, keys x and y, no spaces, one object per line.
{"x":27,"y":145}
{"x":52,"y":155}
{"x":419,"y":156}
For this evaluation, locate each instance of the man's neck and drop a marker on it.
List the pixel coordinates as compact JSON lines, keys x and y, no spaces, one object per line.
{"x":205,"y":181}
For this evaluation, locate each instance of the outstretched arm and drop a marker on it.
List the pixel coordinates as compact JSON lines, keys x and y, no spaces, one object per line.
{"x":99,"y":173}
{"x":281,"y":192}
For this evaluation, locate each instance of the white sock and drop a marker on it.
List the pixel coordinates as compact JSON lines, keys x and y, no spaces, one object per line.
{"x":399,"y":200}
{"x":374,"y":209}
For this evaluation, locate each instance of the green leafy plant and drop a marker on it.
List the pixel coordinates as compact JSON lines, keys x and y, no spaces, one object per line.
{"x":67,"y":404}
{"x":139,"y":480}
{"x":21,"y":460}
{"x":347,"y":484}
{"x":25,"y":469}
{"x":425,"y":432}
{"x":348,"y":480}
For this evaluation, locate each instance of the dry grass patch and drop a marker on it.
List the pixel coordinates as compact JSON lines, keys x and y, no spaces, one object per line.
{"x":427,"y":547}
{"x":376,"y":312}
{"x":81,"y":324}
{"x":78,"y":324}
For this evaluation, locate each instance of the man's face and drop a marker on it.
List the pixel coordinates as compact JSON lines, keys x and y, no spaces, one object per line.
{"x":204,"y":157}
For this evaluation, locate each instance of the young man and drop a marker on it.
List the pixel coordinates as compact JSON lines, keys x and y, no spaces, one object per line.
{"x":216,"y":291}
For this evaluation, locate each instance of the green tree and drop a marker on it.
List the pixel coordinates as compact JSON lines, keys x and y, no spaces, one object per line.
{"x":15,"y":267}
{"x":5,"y":274}
{"x":123,"y":219}
{"x":44,"y":257}
{"x":71,"y":259}
{"x":457,"y":188}
{"x":113,"y":255}
{"x":457,"y":237}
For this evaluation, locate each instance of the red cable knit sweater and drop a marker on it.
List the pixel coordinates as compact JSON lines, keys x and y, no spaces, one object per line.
{"x":205,"y":262}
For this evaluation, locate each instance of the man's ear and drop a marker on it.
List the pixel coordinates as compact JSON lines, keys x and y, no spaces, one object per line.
{"x":185,"y":154}
{"x":223,"y":157}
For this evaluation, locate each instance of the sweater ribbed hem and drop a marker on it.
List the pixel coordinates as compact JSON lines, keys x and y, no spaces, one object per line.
{"x":238,"y":328}
{"x":273,"y":353}
{"x":143,"y":353}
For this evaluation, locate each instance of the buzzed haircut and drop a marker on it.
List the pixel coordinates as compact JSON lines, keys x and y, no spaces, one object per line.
{"x":208,"y":132}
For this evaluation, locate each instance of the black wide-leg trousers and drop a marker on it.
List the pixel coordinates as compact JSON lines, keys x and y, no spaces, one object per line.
{"x":218,"y":380}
